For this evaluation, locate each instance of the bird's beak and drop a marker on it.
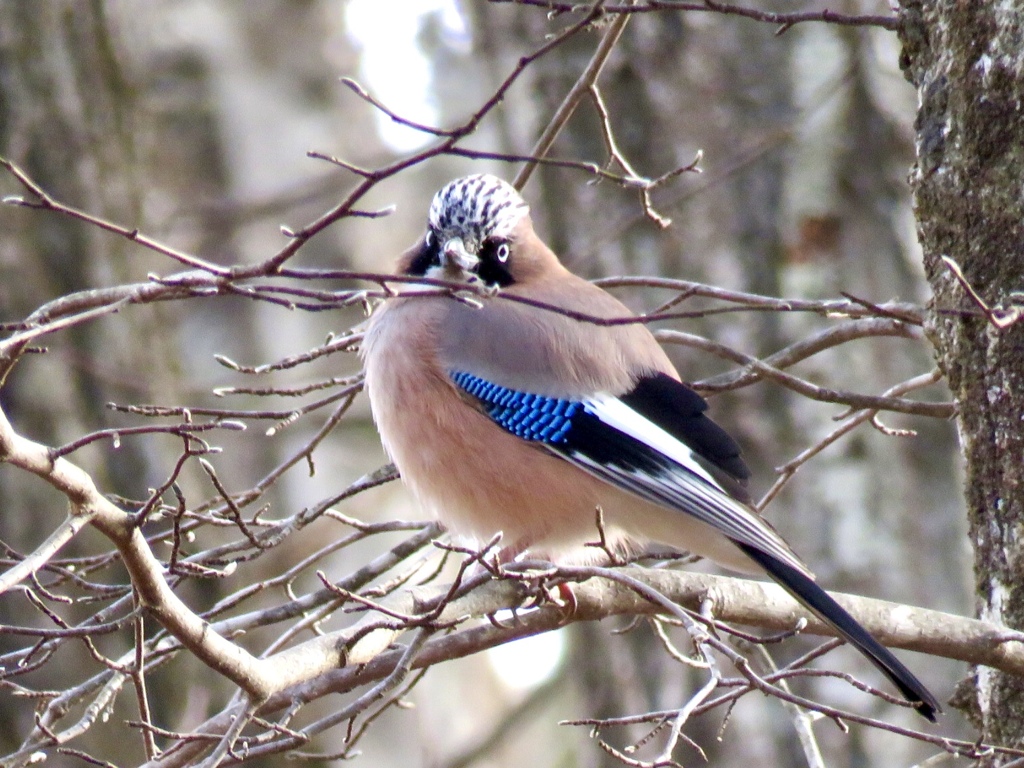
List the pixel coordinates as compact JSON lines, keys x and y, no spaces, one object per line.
{"x":455,"y":256}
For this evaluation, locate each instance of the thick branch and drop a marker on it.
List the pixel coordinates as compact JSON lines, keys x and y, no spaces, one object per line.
{"x":146,"y":572}
{"x":741,"y":601}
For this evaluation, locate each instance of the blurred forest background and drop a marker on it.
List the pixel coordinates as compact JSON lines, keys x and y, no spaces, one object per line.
{"x":191,"y":120}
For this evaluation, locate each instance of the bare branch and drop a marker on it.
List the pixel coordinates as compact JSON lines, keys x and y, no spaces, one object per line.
{"x":576,"y":93}
{"x":605,"y":592}
{"x":812,"y":345}
{"x":147,"y":576}
{"x":787,"y":471}
{"x":45,"y":202}
{"x":116,"y":434}
{"x":1000,"y":317}
{"x":363,"y":94}
{"x":784,"y":20}
{"x":55,"y":541}
{"x":807,"y":389}
{"x":138,"y":674}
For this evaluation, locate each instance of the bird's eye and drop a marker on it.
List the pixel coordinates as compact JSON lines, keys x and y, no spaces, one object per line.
{"x":494,"y":268}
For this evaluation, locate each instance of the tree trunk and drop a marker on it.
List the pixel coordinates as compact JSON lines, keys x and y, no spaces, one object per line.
{"x":968,"y":65}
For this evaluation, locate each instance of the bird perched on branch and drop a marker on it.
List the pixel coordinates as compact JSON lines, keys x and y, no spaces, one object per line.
{"x":516,"y":412}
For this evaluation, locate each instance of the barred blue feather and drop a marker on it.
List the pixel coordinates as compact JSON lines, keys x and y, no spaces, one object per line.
{"x":531,"y":417}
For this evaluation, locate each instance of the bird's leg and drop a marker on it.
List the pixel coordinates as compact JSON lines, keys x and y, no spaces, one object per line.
{"x":566,"y":599}
{"x":509,"y":562}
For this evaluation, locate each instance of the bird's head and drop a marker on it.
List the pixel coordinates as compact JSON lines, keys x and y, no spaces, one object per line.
{"x":475,"y":226}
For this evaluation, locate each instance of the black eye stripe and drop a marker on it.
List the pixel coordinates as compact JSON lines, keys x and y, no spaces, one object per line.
{"x":494,"y":272}
{"x":429,"y":256}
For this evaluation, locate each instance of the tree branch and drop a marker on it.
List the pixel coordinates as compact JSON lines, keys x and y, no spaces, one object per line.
{"x":601,"y":593}
{"x":784,"y":20}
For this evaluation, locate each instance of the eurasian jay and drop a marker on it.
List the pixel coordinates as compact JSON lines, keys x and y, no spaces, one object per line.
{"x":503,"y":415}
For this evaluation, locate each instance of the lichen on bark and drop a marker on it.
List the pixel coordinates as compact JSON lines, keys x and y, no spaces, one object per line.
{"x":967,"y":62}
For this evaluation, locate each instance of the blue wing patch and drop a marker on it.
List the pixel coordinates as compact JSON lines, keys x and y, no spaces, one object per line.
{"x":531,"y":417}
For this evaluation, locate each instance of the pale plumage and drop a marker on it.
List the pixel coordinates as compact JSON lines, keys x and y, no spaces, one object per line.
{"x":512,"y":417}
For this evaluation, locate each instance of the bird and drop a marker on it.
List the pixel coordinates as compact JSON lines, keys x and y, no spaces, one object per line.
{"x":507,"y":408}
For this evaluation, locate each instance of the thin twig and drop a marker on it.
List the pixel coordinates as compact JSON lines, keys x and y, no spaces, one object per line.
{"x":44,"y":552}
{"x":138,"y":674}
{"x":576,"y":93}
{"x":44,"y":201}
{"x":784,"y":20}
{"x":806,"y":388}
{"x":787,"y":470}
{"x":999,"y":317}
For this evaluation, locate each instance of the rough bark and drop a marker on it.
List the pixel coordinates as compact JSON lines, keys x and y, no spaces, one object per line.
{"x":967,"y":63}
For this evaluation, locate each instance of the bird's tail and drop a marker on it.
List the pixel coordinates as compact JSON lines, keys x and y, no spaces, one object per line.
{"x":828,"y":610}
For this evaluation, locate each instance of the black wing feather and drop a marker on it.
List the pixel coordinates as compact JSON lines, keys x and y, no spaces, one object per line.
{"x":680,"y":411}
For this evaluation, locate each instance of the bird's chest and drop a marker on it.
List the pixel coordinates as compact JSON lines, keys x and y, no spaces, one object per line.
{"x":422,"y":420}
{"x":462,"y":468}
{"x":407,"y":388}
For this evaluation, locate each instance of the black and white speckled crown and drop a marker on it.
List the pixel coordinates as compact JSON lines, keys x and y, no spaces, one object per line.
{"x":476,"y":208}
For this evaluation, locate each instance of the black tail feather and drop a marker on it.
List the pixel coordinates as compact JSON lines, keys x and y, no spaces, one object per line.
{"x":828,"y":610}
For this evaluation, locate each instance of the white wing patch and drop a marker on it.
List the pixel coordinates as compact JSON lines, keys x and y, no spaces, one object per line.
{"x":684,"y":484}
{"x":618,"y":415}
